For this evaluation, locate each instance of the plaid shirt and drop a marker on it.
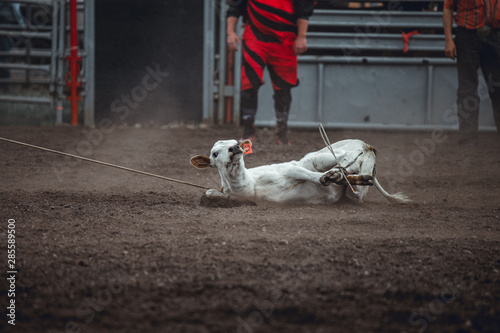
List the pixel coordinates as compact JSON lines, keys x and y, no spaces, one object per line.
{"x":473,"y":14}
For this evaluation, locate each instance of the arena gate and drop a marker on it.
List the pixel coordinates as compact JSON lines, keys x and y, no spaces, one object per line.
{"x":358,"y":72}
{"x":39,"y":54}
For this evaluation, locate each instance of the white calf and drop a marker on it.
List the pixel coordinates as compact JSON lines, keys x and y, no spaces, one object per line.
{"x":305,"y":181}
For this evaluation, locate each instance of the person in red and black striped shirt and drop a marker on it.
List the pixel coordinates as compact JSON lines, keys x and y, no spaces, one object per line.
{"x":476,"y":45}
{"x":275,"y":33}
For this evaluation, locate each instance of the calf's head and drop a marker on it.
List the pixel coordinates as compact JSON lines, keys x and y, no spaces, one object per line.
{"x":225,"y":154}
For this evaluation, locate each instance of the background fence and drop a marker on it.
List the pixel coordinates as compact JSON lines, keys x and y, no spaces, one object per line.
{"x":359,"y":71}
{"x":35,"y":45}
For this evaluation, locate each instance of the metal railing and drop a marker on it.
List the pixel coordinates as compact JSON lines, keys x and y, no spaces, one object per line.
{"x":376,"y":19}
{"x":24,"y":33}
{"x":373,"y":42}
{"x":42,"y":49}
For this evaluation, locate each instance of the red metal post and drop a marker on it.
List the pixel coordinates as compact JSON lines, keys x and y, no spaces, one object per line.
{"x":74,"y":66}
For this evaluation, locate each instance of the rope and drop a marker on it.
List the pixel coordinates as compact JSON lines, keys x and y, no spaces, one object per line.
{"x":104,"y":163}
{"x":329,"y":146}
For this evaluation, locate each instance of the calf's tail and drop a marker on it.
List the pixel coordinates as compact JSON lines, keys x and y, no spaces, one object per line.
{"x":395,"y":198}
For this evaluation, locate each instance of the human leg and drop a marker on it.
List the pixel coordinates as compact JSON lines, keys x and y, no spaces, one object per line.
{"x":283,"y":73}
{"x":252,"y":78}
{"x":249,"y":100}
{"x":282,"y":101}
{"x":4,"y":73}
{"x":468,"y":60}
{"x":490,"y":66}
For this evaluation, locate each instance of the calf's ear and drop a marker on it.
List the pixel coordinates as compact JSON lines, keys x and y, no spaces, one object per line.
{"x":200,"y":162}
{"x":246,"y":142}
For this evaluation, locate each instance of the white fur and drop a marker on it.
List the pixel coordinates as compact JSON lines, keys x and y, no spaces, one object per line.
{"x":295,"y":181}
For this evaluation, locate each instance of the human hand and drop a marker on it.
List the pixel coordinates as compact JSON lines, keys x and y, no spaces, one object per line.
{"x":300,"y":45}
{"x":233,"y":41}
{"x":450,"y":50}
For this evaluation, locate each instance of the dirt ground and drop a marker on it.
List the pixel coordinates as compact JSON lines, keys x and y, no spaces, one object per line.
{"x":104,"y":250}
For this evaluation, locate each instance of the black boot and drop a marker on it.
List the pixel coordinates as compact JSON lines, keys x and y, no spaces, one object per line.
{"x":282,"y":102}
{"x":248,"y":111}
{"x":248,"y":129}
{"x":281,"y":137}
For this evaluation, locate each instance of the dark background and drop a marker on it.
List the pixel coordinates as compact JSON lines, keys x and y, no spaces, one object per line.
{"x":132,"y":35}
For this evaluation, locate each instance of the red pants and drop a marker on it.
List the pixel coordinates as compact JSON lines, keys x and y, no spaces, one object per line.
{"x":279,"y":58}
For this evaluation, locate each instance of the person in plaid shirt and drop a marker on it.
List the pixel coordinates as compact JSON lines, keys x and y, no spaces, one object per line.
{"x":476,"y":45}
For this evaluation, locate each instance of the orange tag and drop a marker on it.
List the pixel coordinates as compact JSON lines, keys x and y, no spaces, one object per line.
{"x":247,"y":148}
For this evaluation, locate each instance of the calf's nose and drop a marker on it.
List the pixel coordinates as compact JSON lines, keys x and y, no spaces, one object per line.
{"x":234,"y":149}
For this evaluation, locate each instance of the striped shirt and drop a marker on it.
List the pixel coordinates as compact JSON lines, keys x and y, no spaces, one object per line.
{"x":473,"y":14}
{"x":271,"y":20}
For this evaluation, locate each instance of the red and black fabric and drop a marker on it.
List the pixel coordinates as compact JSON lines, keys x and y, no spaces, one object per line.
{"x":271,"y":30}
{"x":272,"y":21}
{"x":302,"y":9}
{"x":279,"y":58}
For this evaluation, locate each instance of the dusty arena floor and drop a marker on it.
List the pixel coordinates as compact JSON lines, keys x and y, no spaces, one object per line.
{"x":104,"y":250}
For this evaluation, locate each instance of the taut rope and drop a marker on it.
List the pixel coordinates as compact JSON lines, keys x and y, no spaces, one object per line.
{"x":103,"y":163}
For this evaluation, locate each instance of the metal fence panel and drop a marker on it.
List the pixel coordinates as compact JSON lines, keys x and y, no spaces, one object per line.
{"x":373,"y":96}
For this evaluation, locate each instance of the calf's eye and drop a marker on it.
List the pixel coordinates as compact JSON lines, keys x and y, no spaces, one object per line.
{"x":215,"y":155}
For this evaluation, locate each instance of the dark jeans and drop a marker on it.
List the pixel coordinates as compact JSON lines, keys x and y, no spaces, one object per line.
{"x":4,"y":73}
{"x":474,"y":52}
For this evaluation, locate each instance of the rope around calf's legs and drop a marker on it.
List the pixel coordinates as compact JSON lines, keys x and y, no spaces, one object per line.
{"x":329,"y":146}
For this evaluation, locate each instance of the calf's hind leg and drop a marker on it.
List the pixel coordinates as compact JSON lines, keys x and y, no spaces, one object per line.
{"x":336,"y":177}
{"x":366,"y":169}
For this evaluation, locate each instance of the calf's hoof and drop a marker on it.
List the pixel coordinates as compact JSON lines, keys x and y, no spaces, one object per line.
{"x":215,"y":199}
{"x":368,"y":180}
{"x":361,"y":180}
{"x":331,"y":177}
